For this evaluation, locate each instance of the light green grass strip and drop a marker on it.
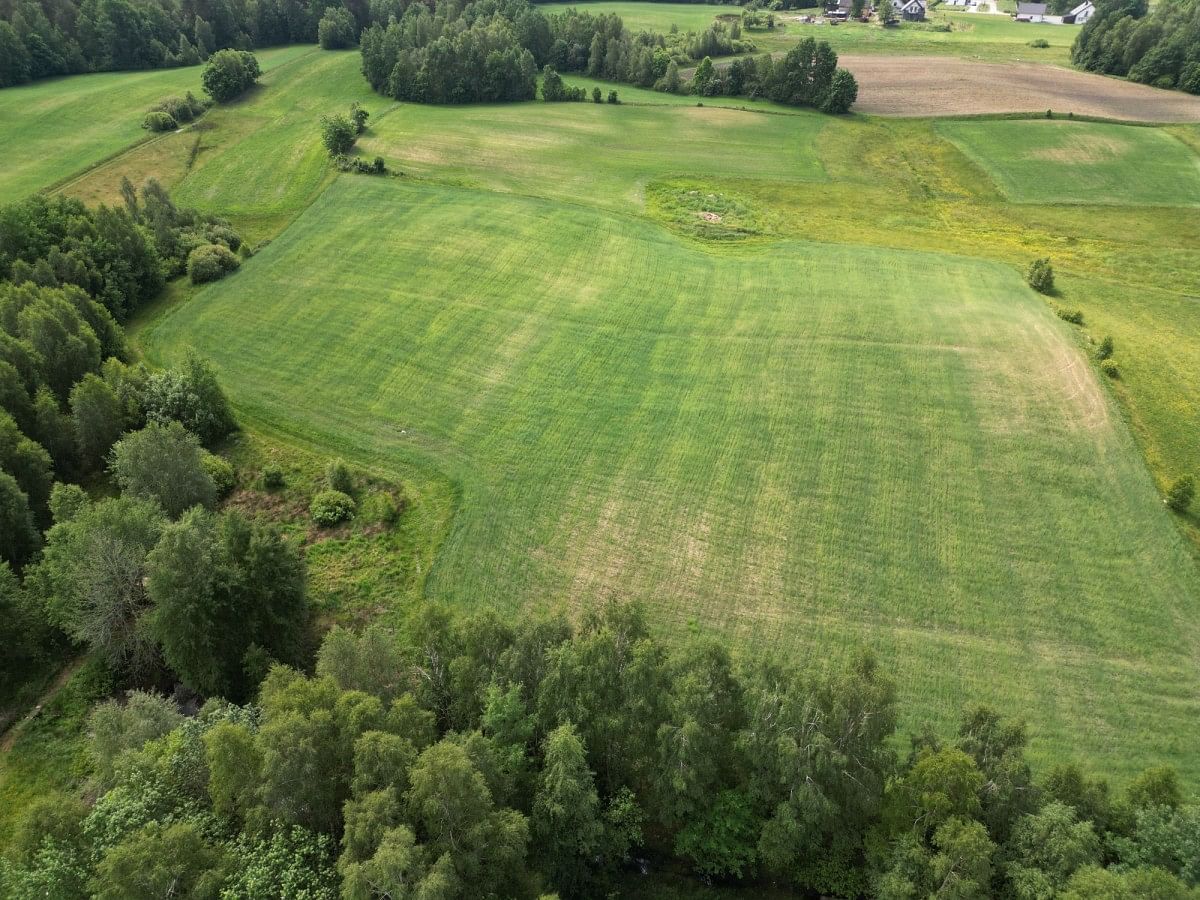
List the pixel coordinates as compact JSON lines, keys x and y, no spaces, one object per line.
{"x":1051,"y":161}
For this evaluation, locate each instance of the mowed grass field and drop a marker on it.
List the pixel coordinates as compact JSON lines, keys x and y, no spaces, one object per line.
{"x":1043,"y":161}
{"x":804,"y":447}
{"x":52,"y":129}
{"x":973,"y":35}
{"x":591,"y":153}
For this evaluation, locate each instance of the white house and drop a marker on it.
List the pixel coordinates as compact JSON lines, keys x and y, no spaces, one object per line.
{"x":1080,"y":14}
{"x":1031,"y":12}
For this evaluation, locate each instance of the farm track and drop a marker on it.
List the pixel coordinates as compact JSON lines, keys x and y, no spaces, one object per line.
{"x":917,"y":86}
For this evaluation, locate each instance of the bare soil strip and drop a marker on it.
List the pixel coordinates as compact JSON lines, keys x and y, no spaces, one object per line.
{"x":943,"y":86}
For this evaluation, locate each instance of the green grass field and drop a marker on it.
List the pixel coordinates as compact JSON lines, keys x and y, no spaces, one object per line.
{"x":802,"y":447}
{"x":52,"y":129}
{"x":989,"y":37}
{"x":1042,"y":161}
{"x":753,"y":434}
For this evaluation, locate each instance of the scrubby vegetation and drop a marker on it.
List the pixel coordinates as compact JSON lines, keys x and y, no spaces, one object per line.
{"x":169,"y":114}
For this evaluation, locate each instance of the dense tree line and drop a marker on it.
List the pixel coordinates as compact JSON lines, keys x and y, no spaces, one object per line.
{"x":1158,"y":46}
{"x":73,"y":408}
{"x":492,"y":51}
{"x":480,"y":756}
{"x":40,"y":38}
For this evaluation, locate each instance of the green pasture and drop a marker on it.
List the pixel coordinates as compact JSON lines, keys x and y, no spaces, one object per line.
{"x":52,"y":129}
{"x":801,"y":446}
{"x":983,"y":36}
{"x":1040,"y":161}
{"x":599,"y":154}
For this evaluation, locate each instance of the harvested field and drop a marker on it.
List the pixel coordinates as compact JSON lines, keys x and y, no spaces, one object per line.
{"x":940,"y":86}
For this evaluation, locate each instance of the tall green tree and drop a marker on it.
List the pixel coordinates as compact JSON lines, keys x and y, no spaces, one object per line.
{"x":566,"y":814}
{"x":163,"y":463}
{"x":98,"y":418}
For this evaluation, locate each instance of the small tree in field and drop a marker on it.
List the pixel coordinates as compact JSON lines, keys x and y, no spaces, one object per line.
{"x":1041,"y":276}
{"x":1105,"y":350}
{"x":1181,"y":494}
{"x":887,"y":12}
{"x":338,"y":134}
{"x":597,"y":95}
{"x":228,"y":73}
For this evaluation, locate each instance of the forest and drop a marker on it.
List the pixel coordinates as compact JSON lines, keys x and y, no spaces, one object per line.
{"x":465,"y":755}
{"x":1158,"y":46}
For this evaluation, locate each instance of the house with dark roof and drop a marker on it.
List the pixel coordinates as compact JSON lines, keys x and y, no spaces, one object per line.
{"x":911,"y":10}
{"x":1031,"y":12}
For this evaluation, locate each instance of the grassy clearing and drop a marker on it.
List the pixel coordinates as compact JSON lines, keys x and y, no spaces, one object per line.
{"x":1041,"y":161}
{"x":52,"y":129}
{"x":970,"y":34}
{"x":801,"y":446}
{"x":594,"y":153}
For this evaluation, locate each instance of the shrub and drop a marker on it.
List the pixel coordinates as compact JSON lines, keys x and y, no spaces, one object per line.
{"x":336,"y":29}
{"x":359,"y":117}
{"x":1110,"y":368}
{"x":843,"y":91}
{"x":228,"y":73}
{"x":1039,"y":43}
{"x":1105,"y":350}
{"x":354,"y":164}
{"x":1181,"y":494}
{"x":338,"y":134}
{"x":1074,"y":316}
{"x":612,"y":97}
{"x":337,"y":476}
{"x":597,"y":95}
{"x":331,"y":507}
{"x":210,"y":262}
{"x":272,"y":477}
{"x":1041,"y":276}
{"x":159,"y":121}
{"x":221,"y":472}
{"x":191,"y":396}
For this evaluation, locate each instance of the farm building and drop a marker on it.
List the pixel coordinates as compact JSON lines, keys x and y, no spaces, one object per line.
{"x":911,"y":10}
{"x":1080,"y":14}
{"x":840,"y":11}
{"x":1031,"y":12}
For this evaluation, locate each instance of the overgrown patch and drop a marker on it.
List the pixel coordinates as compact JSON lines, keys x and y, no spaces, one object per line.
{"x":700,"y":212}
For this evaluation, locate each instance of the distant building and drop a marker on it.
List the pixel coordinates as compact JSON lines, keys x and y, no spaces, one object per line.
{"x":911,"y":10}
{"x":1031,"y":12}
{"x":840,"y":11}
{"x":1080,"y":14}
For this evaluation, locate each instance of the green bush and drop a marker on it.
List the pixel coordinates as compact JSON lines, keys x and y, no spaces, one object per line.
{"x":1041,"y":276}
{"x":331,"y":507}
{"x":338,"y":134}
{"x":159,"y":121}
{"x":1110,"y":368}
{"x":1105,"y":350}
{"x":272,"y":477}
{"x":1039,"y":43}
{"x":1074,"y":316}
{"x":1181,"y":494}
{"x":337,"y":476}
{"x":211,"y":262}
{"x":613,"y":98}
{"x":228,"y":73}
{"x":221,"y":472}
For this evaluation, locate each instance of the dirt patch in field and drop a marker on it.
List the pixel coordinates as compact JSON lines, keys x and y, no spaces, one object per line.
{"x":938,"y":86}
{"x":1084,"y":148}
